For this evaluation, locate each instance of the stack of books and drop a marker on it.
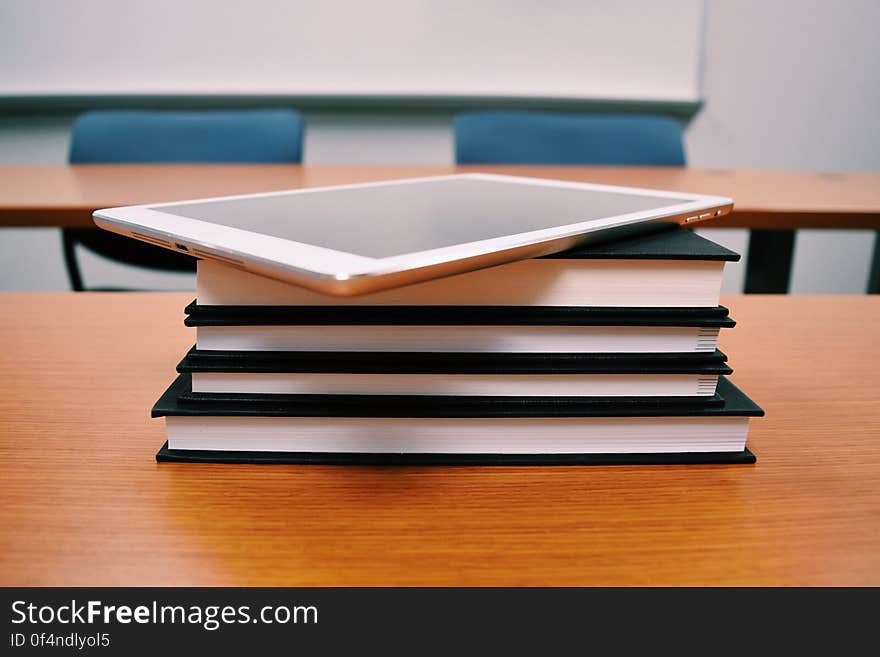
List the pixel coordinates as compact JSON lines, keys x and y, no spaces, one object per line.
{"x":604,"y":354}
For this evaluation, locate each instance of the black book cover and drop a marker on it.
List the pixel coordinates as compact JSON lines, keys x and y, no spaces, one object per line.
{"x":176,"y":401}
{"x":674,"y":243}
{"x":200,"y":315}
{"x":425,"y":362}
{"x":166,"y":455}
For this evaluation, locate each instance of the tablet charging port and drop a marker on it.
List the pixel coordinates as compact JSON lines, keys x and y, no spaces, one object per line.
{"x":181,"y":247}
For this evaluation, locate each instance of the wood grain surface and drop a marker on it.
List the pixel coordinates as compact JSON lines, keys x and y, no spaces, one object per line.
{"x":84,"y":502}
{"x":64,"y":195}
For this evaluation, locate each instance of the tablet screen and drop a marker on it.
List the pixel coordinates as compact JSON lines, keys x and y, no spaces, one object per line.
{"x":380,"y":221}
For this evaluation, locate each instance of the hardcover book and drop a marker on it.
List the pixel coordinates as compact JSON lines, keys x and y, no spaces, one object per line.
{"x":669,"y":268}
{"x":480,"y":329}
{"x":412,"y":429}
{"x":423,"y":373}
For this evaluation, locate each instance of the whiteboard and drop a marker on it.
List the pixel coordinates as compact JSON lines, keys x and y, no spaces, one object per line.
{"x":568,"y":49}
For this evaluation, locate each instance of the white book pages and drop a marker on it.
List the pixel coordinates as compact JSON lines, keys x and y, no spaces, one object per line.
{"x":591,"y":435}
{"x":475,"y":339}
{"x":535,"y":282}
{"x":526,"y":385}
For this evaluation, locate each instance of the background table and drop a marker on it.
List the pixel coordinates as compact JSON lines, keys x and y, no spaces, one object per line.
{"x":84,"y":503}
{"x":770,"y":203}
{"x":66,"y":195}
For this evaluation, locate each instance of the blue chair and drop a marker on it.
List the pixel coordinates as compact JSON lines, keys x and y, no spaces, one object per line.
{"x":234,"y":136}
{"x":548,"y":138}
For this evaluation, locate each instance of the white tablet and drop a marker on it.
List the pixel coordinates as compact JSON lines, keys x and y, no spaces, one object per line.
{"x":352,"y":239}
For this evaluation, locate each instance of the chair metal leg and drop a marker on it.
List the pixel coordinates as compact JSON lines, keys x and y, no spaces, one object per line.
{"x":68,"y":243}
{"x":768,"y":269}
{"x":874,"y":273}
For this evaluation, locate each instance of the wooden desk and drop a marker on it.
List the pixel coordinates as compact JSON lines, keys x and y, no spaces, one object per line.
{"x":67,"y":195}
{"x":84,"y":503}
{"x":775,"y":202}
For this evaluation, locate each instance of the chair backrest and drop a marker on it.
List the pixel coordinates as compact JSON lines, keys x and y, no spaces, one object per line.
{"x":227,"y":136}
{"x":267,"y":136}
{"x":550,"y":138}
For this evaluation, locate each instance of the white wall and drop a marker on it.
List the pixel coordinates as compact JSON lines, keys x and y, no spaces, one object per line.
{"x":794,"y":85}
{"x":785,"y":87}
{"x":637,"y":50}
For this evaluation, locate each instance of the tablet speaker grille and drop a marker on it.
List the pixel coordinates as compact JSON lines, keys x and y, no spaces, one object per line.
{"x":150,"y":239}
{"x":210,"y":256}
